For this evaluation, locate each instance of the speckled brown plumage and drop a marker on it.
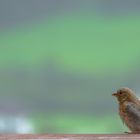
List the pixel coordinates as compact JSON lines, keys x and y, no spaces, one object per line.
{"x":129,"y":109}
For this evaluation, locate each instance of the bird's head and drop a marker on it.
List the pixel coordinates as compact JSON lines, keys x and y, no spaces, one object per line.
{"x":124,"y":94}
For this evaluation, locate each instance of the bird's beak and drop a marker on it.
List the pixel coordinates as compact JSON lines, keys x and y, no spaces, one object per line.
{"x":114,"y":94}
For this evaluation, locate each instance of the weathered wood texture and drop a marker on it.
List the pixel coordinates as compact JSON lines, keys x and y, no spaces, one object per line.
{"x":73,"y":137}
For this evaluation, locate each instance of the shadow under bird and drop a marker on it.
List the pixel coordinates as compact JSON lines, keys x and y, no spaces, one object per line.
{"x":129,"y":109}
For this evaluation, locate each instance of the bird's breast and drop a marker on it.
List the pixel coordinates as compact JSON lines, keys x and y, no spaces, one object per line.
{"x":130,"y":115}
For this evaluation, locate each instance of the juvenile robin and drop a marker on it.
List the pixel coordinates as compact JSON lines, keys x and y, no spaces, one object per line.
{"x":129,"y":109}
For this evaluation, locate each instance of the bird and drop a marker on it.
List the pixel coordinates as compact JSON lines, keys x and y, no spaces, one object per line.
{"x":129,"y":109}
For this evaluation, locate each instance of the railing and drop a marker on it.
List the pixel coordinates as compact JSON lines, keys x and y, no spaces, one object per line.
{"x":72,"y":137}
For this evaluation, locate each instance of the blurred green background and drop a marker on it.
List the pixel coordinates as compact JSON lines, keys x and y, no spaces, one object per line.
{"x":60,"y":61}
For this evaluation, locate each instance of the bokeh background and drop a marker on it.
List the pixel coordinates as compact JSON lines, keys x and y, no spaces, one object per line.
{"x":60,"y":60}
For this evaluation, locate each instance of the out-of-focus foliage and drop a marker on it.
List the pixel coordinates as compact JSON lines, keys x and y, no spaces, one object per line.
{"x":88,"y":44}
{"x":77,"y":124}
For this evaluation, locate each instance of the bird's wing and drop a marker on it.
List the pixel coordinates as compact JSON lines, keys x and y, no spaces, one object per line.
{"x":132,"y":111}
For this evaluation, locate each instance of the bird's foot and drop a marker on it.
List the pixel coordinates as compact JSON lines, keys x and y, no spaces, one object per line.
{"x":135,"y":132}
{"x":128,"y":132}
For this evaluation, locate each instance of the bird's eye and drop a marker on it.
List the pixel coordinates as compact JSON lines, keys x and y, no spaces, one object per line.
{"x":120,"y":92}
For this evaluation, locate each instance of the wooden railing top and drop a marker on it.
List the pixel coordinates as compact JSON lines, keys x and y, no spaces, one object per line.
{"x":73,"y":137}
